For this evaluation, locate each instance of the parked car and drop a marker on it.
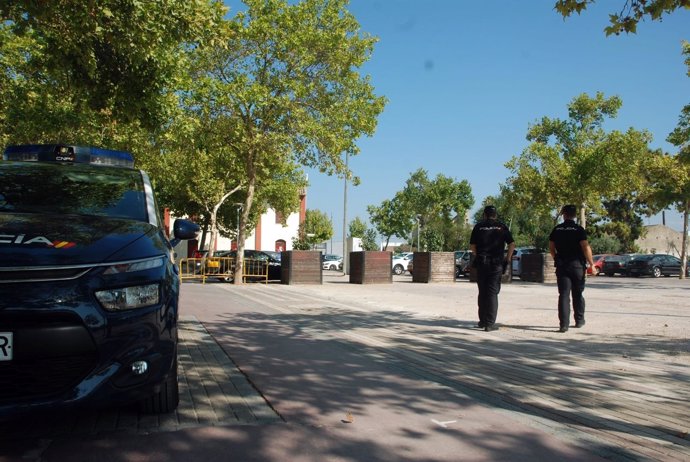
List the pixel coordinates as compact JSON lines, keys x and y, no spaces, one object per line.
{"x":516,"y":263}
{"x":198,"y":254}
{"x":616,"y":264}
{"x":226,"y":269}
{"x":598,"y":264}
{"x":331,"y":262}
{"x":400,"y":262}
{"x":89,"y":291}
{"x":655,"y":265}
{"x":462,"y":263}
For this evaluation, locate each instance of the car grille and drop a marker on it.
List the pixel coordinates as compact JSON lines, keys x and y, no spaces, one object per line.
{"x":8,"y":275}
{"x":42,"y":378}
{"x":58,"y":354}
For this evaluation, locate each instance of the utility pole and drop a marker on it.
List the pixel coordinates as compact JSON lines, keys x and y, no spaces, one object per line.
{"x":345,"y":259}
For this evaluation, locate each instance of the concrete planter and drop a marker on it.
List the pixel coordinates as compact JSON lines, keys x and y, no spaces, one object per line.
{"x":433,"y":267}
{"x":538,"y":267}
{"x":301,"y":267}
{"x":371,"y":267}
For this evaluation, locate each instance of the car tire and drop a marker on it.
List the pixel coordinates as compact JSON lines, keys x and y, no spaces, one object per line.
{"x":333,"y":267}
{"x":229,"y":276}
{"x":458,"y":273}
{"x":656,"y":272}
{"x":398,"y":270}
{"x":167,"y":399}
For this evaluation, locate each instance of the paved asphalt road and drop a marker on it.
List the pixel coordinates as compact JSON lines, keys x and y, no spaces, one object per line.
{"x":396,"y":372}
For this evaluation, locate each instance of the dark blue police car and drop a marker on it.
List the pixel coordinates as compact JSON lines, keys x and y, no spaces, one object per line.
{"x":88,"y":286}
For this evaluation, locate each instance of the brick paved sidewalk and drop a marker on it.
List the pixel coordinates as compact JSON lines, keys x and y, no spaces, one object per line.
{"x":212,"y":392}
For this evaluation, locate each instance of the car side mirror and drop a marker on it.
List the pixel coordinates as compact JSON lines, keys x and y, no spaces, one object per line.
{"x":183,"y":230}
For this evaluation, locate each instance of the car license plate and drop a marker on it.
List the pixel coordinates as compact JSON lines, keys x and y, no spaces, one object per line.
{"x":5,"y":346}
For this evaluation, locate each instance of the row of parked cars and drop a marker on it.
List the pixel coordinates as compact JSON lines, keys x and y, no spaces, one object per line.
{"x":655,"y":265}
{"x":631,"y":264}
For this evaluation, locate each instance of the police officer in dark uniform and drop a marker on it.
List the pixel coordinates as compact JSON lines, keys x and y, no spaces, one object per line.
{"x":487,"y":242}
{"x":570,"y":251}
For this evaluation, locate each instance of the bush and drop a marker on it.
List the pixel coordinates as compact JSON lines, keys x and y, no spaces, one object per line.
{"x":605,"y":243}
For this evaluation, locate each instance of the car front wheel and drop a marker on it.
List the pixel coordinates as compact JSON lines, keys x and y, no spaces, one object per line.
{"x":398,"y":270}
{"x":656,"y":272}
{"x":167,"y":399}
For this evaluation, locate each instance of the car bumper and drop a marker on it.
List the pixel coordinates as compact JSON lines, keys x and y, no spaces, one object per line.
{"x":80,"y":355}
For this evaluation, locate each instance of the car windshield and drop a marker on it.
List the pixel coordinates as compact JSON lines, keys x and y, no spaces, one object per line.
{"x":72,"y":190}
{"x":274,"y":255}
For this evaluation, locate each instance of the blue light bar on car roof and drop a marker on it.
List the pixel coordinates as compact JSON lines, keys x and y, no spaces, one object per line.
{"x":68,"y":154}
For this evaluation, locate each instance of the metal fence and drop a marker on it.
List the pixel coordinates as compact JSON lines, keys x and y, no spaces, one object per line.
{"x":222,"y":268}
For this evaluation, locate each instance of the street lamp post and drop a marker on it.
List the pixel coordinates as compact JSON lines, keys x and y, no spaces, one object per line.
{"x":345,"y":259}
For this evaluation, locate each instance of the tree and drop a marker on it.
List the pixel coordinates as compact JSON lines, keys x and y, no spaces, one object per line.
{"x":630,"y":13}
{"x":34,"y":108}
{"x":122,"y":58}
{"x":576,"y":161}
{"x":604,"y":244}
{"x":358,"y":228}
{"x":317,"y":228}
{"x":623,"y":221}
{"x":529,"y":226}
{"x":439,"y":203}
{"x":285,"y":87}
{"x":671,"y":174}
{"x":391,"y":218}
{"x":675,"y":171}
{"x":369,"y":241}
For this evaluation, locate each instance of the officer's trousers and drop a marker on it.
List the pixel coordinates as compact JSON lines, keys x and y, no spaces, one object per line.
{"x":489,"y":285}
{"x":571,"y":282}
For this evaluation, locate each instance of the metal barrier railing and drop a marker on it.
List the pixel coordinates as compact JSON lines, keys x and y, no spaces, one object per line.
{"x":221,"y":268}
{"x":255,"y":269}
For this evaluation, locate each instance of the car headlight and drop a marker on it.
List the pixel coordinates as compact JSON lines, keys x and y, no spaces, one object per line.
{"x":129,"y":298}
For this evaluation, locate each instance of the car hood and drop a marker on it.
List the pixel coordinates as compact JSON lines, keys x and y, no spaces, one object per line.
{"x":28,"y":240}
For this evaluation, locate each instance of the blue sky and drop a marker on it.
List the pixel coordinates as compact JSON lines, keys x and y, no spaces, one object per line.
{"x":464,"y":79}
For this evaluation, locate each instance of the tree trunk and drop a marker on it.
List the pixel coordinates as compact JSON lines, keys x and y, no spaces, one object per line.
{"x":244,"y":218}
{"x":214,"y":232}
{"x":583,"y":215}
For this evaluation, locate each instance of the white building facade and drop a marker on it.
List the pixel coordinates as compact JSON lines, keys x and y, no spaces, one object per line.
{"x":269,"y":234}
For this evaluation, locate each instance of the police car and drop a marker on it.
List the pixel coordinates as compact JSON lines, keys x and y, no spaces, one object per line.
{"x":88,"y":286}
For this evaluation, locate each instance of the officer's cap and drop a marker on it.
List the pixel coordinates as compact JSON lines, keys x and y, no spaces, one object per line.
{"x":490,"y":211}
{"x":569,"y":210}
